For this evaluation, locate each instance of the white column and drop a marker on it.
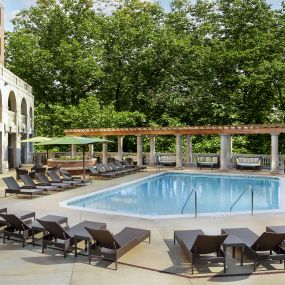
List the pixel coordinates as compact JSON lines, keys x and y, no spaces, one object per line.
{"x":26,"y":146}
{"x":152,"y":159}
{"x":229,"y":150}
{"x":274,"y":153}
{"x":189,"y":150}
{"x":120,"y":147}
{"x":105,"y":151}
{"x":73,"y":150}
{"x":139,"y":150}
{"x":17,"y":149}
{"x":223,"y":158}
{"x":178,"y":151}
{"x":91,"y":150}
{"x":4,"y":151}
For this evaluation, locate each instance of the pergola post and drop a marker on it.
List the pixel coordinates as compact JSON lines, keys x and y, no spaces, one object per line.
{"x":152,"y":159}
{"x":120,"y":147}
{"x":189,"y":150}
{"x":179,"y":157}
{"x":73,"y":150}
{"x":105,"y":151}
{"x":139,"y":150}
{"x":91,"y":150}
{"x":274,"y":153}
{"x":229,"y":150}
{"x":223,"y":158}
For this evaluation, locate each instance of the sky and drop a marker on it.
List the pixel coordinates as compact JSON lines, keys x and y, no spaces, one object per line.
{"x":12,"y":7}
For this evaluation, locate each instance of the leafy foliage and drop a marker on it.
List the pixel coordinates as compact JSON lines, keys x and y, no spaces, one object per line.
{"x":212,"y":62}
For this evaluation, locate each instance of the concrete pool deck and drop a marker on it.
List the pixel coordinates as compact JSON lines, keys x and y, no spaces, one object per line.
{"x":160,"y":262}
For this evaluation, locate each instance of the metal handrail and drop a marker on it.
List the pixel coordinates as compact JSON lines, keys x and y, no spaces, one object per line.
{"x":160,"y":167}
{"x":188,"y":198}
{"x":250,"y":187}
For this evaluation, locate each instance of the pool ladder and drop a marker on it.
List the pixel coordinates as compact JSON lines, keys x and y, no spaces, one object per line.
{"x":239,"y":197}
{"x":188,"y":198}
{"x":160,"y":168}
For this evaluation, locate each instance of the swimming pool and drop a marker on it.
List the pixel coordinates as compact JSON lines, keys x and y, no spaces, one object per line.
{"x":168,"y":195}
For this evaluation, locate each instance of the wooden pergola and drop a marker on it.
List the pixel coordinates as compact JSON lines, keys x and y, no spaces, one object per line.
{"x":226,"y":132}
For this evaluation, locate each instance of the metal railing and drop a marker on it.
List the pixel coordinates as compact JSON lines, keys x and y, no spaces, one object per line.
{"x":188,"y":198}
{"x":241,"y":195}
{"x":265,"y":159}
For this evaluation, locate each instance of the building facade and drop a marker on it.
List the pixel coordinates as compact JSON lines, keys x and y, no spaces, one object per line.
{"x":16,"y":113}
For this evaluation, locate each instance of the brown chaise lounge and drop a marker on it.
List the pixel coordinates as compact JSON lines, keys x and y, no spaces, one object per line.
{"x":15,"y":188}
{"x":198,"y":246}
{"x":18,"y":228}
{"x":112,"y":247}
{"x":45,"y":181}
{"x":96,"y":173}
{"x":127,"y":163}
{"x":65,"y":238}
{"x":29,"y":182}
{"x":67,"y":176}
{"x":56,"y":178}
{"x":260,"y":247}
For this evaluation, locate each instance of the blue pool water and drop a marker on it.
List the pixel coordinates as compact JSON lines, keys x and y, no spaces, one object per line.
{"x":166,"y":194}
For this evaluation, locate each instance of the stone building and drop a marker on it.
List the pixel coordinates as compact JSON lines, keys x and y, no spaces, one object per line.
{"x":16,"y":115}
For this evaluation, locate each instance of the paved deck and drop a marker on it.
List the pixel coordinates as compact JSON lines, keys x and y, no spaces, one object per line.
{"x":159,"y":262}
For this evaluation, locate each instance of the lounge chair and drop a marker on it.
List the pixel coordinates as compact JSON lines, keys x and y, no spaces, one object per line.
{"x":17,"y":228}
{"x":107,"y":168}
{"x":260,"y":247}
{"x":67,"y":176}
{"x":35,"y":170}
{"x":28,"y":181}
{"x":65,"y":238}
{"x":56,"y":179}
{"x":103,"y":170}
{"x":20,"y":171}
{"x":22,"y":215}
{"x":95,"y":173}
{"x":139,"y":168}
{"x":198,"y":246}
{"x":121,"y":167}
{"x":45,"y":181}
{"x":15,"y":188}
{"x":3,"y":222}
{"x":131,"y":168}
{"x":112,"y":247}
{"x":113,"y":168}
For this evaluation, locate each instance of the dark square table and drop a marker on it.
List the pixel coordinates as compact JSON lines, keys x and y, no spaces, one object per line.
{"x":37,"y":227}
{"x":79,"y":233}
{"x":233,"y":242}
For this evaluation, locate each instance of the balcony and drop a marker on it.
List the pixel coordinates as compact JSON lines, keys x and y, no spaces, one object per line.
{"x":10,"y":78}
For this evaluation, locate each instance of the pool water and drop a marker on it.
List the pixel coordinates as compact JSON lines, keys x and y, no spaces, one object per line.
{"x":167,"y":194}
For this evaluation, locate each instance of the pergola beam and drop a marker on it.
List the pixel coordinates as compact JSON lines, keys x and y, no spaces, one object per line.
{"x":184,"y":130}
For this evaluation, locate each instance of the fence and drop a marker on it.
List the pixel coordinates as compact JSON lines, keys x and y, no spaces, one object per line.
{"x":265,"y":158}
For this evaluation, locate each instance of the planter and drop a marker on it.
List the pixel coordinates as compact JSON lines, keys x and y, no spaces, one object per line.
{"x":73,"y":166}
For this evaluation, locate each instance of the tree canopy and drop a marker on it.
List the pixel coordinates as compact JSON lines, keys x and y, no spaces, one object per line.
{"x":135,"y":64}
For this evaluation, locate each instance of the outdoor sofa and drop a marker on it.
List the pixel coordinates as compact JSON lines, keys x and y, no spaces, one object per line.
{"x":212,"y":161}
{"x":243,"y":162}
